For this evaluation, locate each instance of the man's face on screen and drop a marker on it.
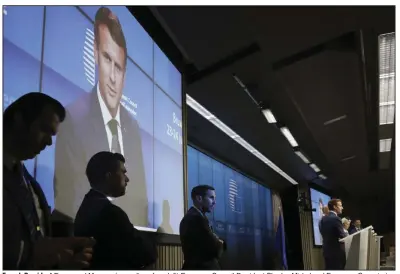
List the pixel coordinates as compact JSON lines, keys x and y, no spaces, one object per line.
{"x":110,"y":60}
{"x":36,"y":136}
{"x":208,"y":201}
{"x":118,"y":181}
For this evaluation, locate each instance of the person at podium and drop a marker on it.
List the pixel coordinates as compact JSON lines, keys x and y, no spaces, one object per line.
{"x":356,"y":227}
{"x":332,"y":231}
{"x":346,"y":225}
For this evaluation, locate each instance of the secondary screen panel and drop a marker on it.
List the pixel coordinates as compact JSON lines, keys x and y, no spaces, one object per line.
{"x":318,"y":201}
{"x":243,"y":214}
{"x":104,"y":68}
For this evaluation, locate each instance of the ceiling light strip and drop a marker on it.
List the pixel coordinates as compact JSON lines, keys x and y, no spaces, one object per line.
{"x":228,"y":131}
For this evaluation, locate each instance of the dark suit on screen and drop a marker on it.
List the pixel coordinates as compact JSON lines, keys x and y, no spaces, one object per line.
{"x":18,"y":240}
{"x":119,"y":246}
{"x":334,"y":252}
{"x":82,"y":135}
{"x":201,"y":247}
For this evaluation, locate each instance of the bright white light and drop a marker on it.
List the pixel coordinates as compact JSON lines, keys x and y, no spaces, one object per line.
{"x":322,"y":176}
{"x":228,"y":131}
{"x":385,"y":145}
{"x":304,"y":158}
{"x":286,"y":132}
{"x":314,"y":166}
{"x":387,"y":78}
{"x":269,"y":116}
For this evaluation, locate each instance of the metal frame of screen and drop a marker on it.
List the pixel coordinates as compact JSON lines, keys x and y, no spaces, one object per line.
{"x":153,"y":27}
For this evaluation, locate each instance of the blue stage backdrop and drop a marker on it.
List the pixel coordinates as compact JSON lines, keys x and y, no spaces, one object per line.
{"x":318,"y":201}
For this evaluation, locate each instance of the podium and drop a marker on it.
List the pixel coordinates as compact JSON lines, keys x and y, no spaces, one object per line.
{"x":362,"y":250}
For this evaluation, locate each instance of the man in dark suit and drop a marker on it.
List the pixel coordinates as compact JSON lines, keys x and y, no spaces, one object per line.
{"x":98,"y":122}
{"x":356,"y":226}
{"x":29,"y":124}
{"x":118,"y":244}
{"x":201,"y":248}
{"x":332,"y":231}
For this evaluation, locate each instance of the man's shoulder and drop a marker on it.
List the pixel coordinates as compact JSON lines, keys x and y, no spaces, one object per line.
{"x":80,"y":107}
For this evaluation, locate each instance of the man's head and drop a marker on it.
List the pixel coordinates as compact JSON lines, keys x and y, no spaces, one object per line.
{"x":336,"y":206}
{"x":110,"y":54}
{"x":106,"y":173}
{"x":203,"y":197}
{"x":325,"y":210}
{"x":346,"y":223}
{"x":30,"y":122}
{"x":357,"y":223}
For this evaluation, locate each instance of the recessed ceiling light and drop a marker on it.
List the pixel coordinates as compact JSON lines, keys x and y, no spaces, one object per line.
{"x":269,"y":116}
{"x":314,"y":166}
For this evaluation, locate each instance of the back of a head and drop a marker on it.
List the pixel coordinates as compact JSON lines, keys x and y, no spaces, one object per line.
{"x":332,"y":203}
{"x":30,"y":106}
{"x":200,"y":190}
{"x":100,"y":164}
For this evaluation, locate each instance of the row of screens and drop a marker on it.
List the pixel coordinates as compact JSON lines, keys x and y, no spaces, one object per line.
{"x":58,"y":50}
{"x":86,"y":72}
{"x":318,"y":201}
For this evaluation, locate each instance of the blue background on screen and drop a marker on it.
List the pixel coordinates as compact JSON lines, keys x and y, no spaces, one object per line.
{"x":248,"y":227}
{"x":61,"y":74}
{"x":316,"y":196}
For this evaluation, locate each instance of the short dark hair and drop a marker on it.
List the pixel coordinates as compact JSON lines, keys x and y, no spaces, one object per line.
{"x":100,"y":164}
{"x":332,"y":203}
{"x":31,"y":105}
{"x":104,"y":16}
{"x":200,"y":190}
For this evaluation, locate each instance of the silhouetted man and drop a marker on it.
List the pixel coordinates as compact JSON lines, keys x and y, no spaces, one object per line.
{"x":202,"y":249}
{"x":29,"y":125}
{"x":356,"y":226}
{"x":332,"y":231}
{"x":118,"y":244}
{"x":97,"y":122}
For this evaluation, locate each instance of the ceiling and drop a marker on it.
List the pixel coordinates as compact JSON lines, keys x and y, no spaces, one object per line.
{"x":305,"y":64}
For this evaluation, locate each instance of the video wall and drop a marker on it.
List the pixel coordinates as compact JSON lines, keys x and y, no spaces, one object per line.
{"x":243,"y":215}
{"x":318,"y":201}
{"x":121,"y":93}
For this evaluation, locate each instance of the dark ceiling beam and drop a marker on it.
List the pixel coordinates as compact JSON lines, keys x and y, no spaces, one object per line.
{"x":344,"y":42}
{"x":223,"y":63}
{"x":149,"y":22}
{"x":368,"y":44}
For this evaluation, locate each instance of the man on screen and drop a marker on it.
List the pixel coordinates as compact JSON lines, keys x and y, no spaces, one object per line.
{"x":201,"y":248}
{"x":97,"y":122}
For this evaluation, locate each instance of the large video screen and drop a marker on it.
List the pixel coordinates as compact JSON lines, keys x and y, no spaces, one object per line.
{"x":243,"y":215}
{"x":318,"y":201}
{"x":121,"y":93}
